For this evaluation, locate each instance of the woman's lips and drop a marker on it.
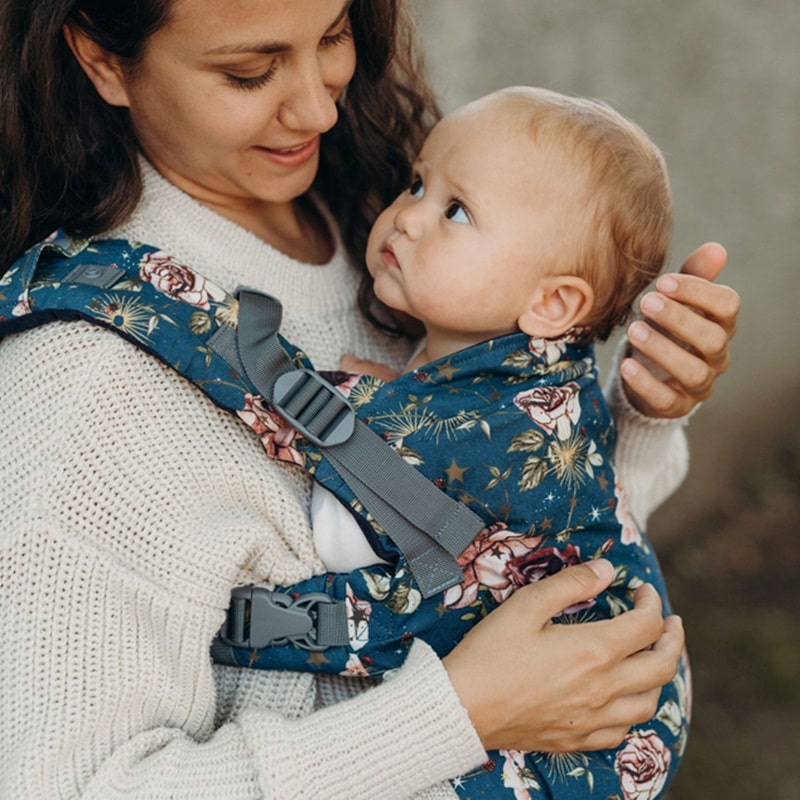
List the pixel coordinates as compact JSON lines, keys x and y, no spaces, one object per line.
{"x":292,"y":156}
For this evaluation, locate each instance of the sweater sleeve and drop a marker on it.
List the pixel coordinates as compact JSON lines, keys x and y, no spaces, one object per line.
{"x":131,"y":506}
{"x":652,"y":455}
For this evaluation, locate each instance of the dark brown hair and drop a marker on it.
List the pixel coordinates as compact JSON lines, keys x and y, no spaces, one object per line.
{"x":67,"y":159}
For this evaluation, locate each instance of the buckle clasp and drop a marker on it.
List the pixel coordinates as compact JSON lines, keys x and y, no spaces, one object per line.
{"x":260,"y":618}
{"x":314,"y":407}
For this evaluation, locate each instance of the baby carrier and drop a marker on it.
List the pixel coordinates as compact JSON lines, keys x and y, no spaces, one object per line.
{"x":457,"y":541}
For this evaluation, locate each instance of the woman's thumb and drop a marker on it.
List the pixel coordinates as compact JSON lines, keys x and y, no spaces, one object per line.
{"x":574,"y":585}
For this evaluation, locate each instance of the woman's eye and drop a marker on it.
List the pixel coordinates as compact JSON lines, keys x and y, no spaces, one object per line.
{"x":252,"y":83}
{"x":457,"y":213}
{"x":344,"y":35}
{"x":416,"y":188}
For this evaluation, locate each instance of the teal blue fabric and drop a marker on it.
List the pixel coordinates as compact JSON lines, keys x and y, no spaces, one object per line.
{"x":516,"y":428}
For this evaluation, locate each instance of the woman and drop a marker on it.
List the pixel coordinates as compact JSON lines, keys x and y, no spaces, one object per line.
{"x":129,"y":516}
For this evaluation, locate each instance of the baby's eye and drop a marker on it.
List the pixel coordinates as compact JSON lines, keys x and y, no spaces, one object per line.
{"x":457,"y":213}
{"x":416,"y":188}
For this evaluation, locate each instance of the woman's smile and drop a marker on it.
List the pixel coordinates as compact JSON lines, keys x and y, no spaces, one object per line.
{"x":292,"y":156}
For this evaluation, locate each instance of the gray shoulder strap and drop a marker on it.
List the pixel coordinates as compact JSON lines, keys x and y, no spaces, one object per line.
{"x":428,"y":526}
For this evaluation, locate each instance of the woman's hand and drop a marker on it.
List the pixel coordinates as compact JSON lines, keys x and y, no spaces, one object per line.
{"x":529,"y":684}
{"x":691,"y":322}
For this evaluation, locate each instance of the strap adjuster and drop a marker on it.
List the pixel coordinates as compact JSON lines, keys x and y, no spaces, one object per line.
{"x":260,"y":618}
{"x":315,"y":408}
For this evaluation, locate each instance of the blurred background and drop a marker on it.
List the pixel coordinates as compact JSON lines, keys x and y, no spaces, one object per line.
{"x":716,"y":84}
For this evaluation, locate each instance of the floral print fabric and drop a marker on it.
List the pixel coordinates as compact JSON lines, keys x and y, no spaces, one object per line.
{"x":516,"y":428}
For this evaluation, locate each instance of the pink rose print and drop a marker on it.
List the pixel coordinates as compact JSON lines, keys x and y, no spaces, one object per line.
{"x":642,"y":765}
{"x":550,"y":350}
{"x":22,"y":307}
{"x":484,"y":563}
{"x":538,"y":564}
{"x":552,"y":408}
{"x":354,"y":668}
{"x":516,"y":774}
{"x":276,"y":435}
{"x":174,"y":279}
{"x":630,"y":530}
{"x":343,"y":381}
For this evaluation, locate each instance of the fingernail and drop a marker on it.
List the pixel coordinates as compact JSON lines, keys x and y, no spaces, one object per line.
{"x":653,"y":303}
{"x":639,"y":332}
{"x":629,"y":367}
{"x":601,"y":567}
{"x":667,"y":284}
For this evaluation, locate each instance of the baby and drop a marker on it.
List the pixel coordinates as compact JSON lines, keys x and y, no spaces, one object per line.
{"x":531,"y":223}
{"x":528,"y":211}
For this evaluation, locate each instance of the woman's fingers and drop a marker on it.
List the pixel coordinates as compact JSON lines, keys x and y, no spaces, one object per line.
{"x":707,"y":261}
{"x":680,"y":347}
{"x":601,"y":676}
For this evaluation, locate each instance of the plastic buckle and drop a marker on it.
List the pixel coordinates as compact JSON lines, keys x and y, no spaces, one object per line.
{"x":260,"y":618}
{"x":315,"y":408}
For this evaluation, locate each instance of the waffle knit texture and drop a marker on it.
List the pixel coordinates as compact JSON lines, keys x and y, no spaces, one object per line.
{"x":131,"y":506}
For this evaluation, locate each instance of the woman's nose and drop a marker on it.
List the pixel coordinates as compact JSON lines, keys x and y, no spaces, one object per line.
{"x":311,"y":105}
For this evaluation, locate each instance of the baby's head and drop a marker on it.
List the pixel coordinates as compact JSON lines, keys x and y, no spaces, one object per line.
{"x":619,"y":212}
{"x":528,"y":210}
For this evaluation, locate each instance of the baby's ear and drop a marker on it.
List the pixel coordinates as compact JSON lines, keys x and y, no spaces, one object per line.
{"x":560,"y":302}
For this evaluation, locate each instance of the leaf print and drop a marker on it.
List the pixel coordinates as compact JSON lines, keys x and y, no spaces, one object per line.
{"x":497,"y":477}
{"x":519,"y":359}
{"x":129,"y":285}
{"x":227,"y":312}
{"x":670,"y":715}
{"x":405,"y":599}
{"x":487,"y":430}
{"x":410,"y":455}
{"x":527,"y":442}
{"x":534,"y":471}
{"x":199,"y":323}
{"x":615,"y":605}
{"x":378,"y":584}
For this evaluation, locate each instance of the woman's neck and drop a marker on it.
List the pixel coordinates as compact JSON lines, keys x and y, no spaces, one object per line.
{"x":296,"y":229}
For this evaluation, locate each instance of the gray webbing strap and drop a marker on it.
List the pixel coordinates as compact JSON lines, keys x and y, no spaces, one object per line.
{"x":428,"y":526}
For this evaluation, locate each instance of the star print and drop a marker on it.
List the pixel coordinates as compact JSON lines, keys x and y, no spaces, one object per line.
{"x":550,"y":497}
{"x":446,"y":371}
{"x":603,"y":481}
{"x":595,"y":514}
{"x":317,"y":659}
{"x":547,"y":523}
{"x":455,"y":473}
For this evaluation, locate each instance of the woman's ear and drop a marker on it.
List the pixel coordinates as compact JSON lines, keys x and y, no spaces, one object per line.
{"x":101,"y":67}
{"x":560,"y":302}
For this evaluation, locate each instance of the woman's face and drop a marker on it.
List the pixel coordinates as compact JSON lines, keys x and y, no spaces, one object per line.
{"x":231,"y":96}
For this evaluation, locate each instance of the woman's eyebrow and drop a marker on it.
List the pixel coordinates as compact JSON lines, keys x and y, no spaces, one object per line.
{"x":270,"y":48}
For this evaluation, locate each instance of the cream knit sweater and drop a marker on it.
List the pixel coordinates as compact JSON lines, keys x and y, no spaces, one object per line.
{"x":131,"y":505}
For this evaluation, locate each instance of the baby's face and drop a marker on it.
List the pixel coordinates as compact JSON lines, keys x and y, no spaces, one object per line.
{"x":482,"y":221}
